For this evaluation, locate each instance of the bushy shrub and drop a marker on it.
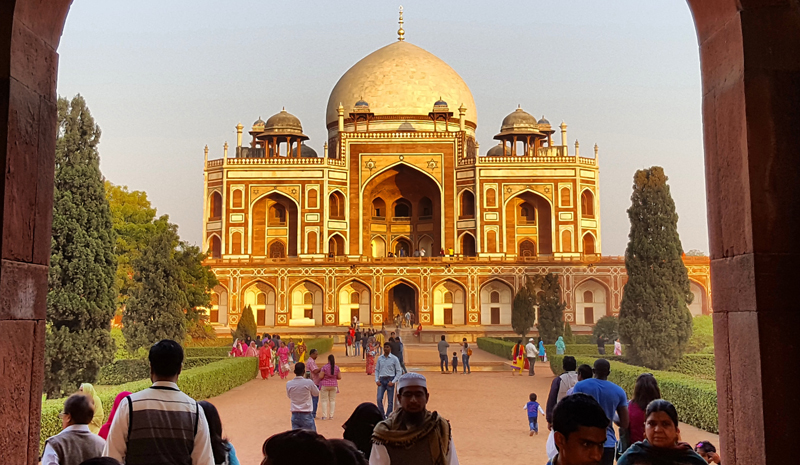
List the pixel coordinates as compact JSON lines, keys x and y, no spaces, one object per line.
{"x":701,"y":366}
{"x":122,"y":351}
{"x":606,"y":327}
{"x":125,"y":371}
{"x":584,"y":339}
{"x":702,"y":340}
{"x":246,"y":326}
{"x":695,"y":398}
{"x":199,"y":383}
{"x":322,"y":344}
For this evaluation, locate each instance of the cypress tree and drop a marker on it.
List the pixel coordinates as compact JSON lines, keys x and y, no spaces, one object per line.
{"x":551,"y":307}
{"x":523,"y":315}
{"x":246,"y":326}
{"x":156,"y":303}
{"x":81,"y":294}
{"x":569,"y":338}
{"x":654,"y":319}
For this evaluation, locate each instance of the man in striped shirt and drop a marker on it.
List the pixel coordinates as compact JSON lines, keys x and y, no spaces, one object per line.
{"x":160,"y":425}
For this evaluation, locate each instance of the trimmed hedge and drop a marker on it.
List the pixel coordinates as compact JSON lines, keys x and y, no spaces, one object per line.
{"x":199,"y":383}
{"x":698,"y":365}
{"x":125,"y":371}
{"x":217,"y":342}
{"x":207,"y":351}
{"x":695,"y":398}
{"x":503,"y":348}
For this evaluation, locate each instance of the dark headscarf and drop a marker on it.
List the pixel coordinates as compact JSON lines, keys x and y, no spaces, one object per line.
{"x":358,"y":428}
{"x":645,"y":453}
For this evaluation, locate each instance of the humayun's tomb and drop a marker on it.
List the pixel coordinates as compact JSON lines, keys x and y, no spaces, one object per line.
{"x":309,"y":241}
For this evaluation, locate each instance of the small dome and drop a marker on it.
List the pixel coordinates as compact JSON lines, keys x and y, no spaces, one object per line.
{"x":496,"y":151}
{"x":544,"y":122}
{"x":283,"y":122}
{"x":519,"y":121}
{"x":361,"y":104}
{"x":259,"y":123}
{"x":307,"y":152}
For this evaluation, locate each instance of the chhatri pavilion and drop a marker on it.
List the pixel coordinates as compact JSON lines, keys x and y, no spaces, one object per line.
{"x":404,"y":210}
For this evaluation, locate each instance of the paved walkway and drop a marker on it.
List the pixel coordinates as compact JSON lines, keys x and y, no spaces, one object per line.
{"x":485,"y":410}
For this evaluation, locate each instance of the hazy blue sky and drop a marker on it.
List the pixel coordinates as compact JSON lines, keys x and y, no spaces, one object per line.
{"x":165,"y":78}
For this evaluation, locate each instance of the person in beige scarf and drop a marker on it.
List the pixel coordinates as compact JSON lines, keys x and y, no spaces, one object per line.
{"x":413,"y":434}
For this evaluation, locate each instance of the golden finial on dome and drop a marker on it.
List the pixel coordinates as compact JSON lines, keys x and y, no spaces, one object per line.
{"x":400,"y":32}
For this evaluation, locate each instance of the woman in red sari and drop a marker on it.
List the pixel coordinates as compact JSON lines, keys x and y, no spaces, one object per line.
{"x":236,"y":351}
{"x":372,"y":351}
{"x":265,"y":361}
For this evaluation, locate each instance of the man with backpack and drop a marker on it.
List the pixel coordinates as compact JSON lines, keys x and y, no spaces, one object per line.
{"x":466,"y":353}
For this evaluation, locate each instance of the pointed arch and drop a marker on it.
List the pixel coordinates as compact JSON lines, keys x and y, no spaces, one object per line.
{"x":496,"y":297}
{"x":354,"y":299}
{"x":261,"y":297}
{"x":259,"y":217}
{"x":215,"y":206}
{"x":587,"y":203}
{"x":400,"y":296}
{"x":589,"y":243}
{"x":466,"y":202}
{"x":449,"y":303}
{"x":336,"y":205}
{"x":378,"y":244}
{"x":467,"y":245}
{"x":306,"y":299}
{"x":542,"y":220}
{"x":214,"y":249}
{"x":592,"y":301}
{"x":337,"y":245}
{"x":566,"y":240}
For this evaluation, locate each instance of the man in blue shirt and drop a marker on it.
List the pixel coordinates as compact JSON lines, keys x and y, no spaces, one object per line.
{"x":387,"y":373}
{"x":613,"y":400}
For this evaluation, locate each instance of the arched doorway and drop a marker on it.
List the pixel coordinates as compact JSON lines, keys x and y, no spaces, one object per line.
{"x":468,"y":245}
{"x":449,"y":306}
{"x":404,"y":199}
{"x":402,"y":248}
{"x":496,"y":299}
{"x":591,"y":302}
{"x":336,"y":246}
{"x":378,"y":247}
{"x":261,"y":299}
{"x":306,"y":305}
{"x":400,"y":299}
{"x":698,"y":305}
{"x":354,"y":300}
{"x":274,"y":218}
{"x":533,"y":219}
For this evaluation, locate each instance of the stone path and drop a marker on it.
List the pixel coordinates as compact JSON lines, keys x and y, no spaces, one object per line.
{"x":485,"y":410}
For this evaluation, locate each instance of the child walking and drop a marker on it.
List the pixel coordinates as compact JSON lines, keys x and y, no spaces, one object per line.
{"x":533,"y":409}
{"x":455,"y":363}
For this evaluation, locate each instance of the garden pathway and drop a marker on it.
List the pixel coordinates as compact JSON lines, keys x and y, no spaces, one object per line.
{"x":485,"y":410}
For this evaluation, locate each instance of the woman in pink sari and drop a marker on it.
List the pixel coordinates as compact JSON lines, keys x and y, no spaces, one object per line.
{"x":103,"y":433}
{"x":265,"y":361}
{"x":251,"y":351}
{"x":283,"y":360}
{"x":371,"y":353}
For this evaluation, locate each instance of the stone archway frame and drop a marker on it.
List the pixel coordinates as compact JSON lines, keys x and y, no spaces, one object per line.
{"x":608,"y":297}
{"x":464,"y":288}
{"x":366,"y":183}
{"x":338,"y":288}
{"x":253,"y":282}
{"x":417,"y":290}
{"x":250,"y":221}
{"x":538,"y":241}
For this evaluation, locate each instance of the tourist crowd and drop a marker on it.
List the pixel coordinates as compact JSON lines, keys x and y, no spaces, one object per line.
{"x":162,"y":425}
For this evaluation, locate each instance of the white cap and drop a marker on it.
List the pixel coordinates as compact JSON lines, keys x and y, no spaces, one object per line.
{"x":412,"y":379}
{"x":530,"y":340}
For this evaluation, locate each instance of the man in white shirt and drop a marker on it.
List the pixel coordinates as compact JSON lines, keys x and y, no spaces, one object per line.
{"x":413,"y":434}
{"x":531,"y":352}
{"x":301,"y":391}
{"x":75,"y":443}
{"x":387,"y":373}
{"x":160,"y":424}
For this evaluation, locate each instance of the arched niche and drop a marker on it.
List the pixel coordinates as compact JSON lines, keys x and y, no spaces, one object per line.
{"x":591,"y":302}
{"x":306,"y":308}
{"x":449,"y":304}
{"x":496,"y":298}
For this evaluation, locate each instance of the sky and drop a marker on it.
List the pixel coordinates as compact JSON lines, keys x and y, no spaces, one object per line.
{"x":165,"y":78}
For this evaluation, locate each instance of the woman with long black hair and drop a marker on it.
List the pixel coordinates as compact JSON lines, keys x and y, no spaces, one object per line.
{"x":224,"y":453}
{"x":329,"y":387}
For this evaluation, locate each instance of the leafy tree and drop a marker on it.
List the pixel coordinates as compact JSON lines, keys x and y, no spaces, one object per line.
{"x":569,"y":338}
{"x":157,"y":301}
{"x":134,"y":221}
{"x":247,"y":325}
{"x":80,"y":299}
{"x":551,"y":307}
{"x":606,"y":327}
{"x":523,"y":315}
{"x":654,"y":319}
{"x":196,"y":279}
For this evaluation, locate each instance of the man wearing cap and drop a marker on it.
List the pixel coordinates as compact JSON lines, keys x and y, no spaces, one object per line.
{"x":531,"y":352}
{"x":413,"y":434}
